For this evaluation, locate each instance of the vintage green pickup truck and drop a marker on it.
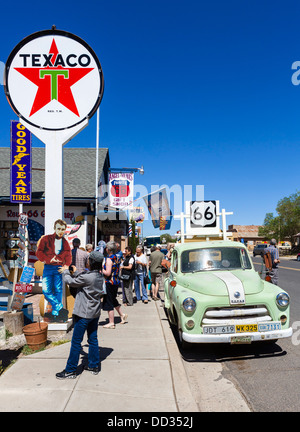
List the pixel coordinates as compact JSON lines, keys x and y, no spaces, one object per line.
{"x":214,"y":295}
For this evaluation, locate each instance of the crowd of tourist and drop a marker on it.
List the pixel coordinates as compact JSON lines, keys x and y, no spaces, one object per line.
{"x":94,"y":278}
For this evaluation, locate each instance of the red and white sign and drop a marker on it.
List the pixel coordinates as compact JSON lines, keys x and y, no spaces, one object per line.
{"x":23,"y":219}
{"x":121,"y":189}
{"x":53,"y":80}
{"x":23,"y":288}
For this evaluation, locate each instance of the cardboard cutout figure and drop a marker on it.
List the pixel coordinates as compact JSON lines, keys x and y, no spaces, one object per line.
{"x":54,"y":251}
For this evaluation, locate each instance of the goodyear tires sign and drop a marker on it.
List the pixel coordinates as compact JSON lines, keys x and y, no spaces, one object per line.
{"x":20,"y":164}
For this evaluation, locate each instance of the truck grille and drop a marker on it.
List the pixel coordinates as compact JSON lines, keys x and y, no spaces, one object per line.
{"x":240,"y":315}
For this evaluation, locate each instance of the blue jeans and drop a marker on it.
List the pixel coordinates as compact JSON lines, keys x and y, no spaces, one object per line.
{"x":80,"y":326}
{"x":53,"y":287}
{"x":140,"y":278}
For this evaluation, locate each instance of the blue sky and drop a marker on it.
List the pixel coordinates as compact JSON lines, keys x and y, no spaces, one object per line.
{"x":199,"y":92}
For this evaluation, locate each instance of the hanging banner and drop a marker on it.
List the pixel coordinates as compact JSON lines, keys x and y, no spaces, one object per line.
{"x":121,"y":189}
{"x":159,"y":209}
{"x":20,"y":164}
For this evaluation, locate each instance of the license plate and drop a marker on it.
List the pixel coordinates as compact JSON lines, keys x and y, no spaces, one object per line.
{"x":219,"y":329}
{"x":265,"y":327}
{"x":245,"y":328}
{"x":240,"y":340}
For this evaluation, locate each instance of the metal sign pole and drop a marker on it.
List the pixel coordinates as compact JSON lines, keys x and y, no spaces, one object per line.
{"x":97,"y":175}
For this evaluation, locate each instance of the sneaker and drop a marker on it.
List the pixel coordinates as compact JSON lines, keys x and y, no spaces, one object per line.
{"x":62,"y":316}
{"x":94,"y":371}
{"x":64,"y":374}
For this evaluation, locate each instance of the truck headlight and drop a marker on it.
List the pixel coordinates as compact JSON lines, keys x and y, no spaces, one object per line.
{"x":283,"y":299}
{"x":189,"y":304}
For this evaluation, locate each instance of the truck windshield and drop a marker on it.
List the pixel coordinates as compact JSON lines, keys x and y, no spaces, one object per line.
{"x":228,"y":258}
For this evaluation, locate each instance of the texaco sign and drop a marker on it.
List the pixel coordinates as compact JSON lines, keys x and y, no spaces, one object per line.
{"x":53,"y":80}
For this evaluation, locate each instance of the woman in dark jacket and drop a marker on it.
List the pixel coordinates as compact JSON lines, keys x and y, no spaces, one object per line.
{"x":111,"y":270}
{"x":127,"y":275}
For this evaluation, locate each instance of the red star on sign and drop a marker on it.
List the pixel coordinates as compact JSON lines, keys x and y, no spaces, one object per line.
{"x":54,"y":83}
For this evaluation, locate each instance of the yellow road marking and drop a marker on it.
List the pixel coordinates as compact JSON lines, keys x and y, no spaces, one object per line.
{"x":287,"y":268}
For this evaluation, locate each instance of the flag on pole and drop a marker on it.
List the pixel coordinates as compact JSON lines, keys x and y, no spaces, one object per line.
{"x":159,"y":209}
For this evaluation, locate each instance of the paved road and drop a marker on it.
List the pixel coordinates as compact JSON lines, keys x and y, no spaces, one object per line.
{"x":266,"y":375}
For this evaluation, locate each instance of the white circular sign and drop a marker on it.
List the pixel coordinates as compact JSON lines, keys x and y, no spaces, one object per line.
{"x":53,"y":80}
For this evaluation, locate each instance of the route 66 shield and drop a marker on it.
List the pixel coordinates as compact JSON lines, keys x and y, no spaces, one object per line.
{"x":203,"y":214}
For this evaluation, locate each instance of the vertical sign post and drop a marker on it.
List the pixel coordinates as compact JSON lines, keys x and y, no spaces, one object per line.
{"x":53,"y":81}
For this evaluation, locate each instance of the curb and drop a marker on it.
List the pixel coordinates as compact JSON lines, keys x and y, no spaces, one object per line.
{"x":215,"y":391}
{"x":182,"y":392}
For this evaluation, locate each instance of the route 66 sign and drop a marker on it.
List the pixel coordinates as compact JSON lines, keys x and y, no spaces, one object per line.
{"x":203,"y":218}
{"x":23,"y":219}
{"x":203,"y":214}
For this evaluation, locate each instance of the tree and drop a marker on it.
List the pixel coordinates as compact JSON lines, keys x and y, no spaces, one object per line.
{"x":168,"y":239}
{"x":133,"y":241}
{"x":270,"y":228}
{"x":287,"y":223}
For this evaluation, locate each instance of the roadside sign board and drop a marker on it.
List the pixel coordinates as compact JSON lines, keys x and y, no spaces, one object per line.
{"x":27,"y":274}
{"x":203,"y":218}
{"x":23,"y":288}
{"x":20,"y":164}
{"x":203,"y":214}
{"x":53,"y":80}
{"x":18,"y":301}
{"x":23,"y":219}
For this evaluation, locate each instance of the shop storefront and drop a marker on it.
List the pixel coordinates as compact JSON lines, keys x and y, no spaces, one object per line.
{"x":79,"y":203}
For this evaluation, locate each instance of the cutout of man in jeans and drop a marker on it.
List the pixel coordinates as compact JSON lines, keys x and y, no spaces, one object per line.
{"x":54,"y":251}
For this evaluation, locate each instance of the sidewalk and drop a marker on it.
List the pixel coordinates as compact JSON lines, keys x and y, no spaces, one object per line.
{"x":141,"y":371}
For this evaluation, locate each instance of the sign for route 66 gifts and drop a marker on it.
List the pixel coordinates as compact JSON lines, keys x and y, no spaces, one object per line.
{"x":121,"y":190}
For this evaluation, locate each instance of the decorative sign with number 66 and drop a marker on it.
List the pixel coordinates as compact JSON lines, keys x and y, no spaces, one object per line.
{"x":203,"y":214}
{"x":204,"y":218}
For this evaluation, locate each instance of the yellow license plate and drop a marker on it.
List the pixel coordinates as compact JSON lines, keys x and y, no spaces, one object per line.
{"x":246,"y":328}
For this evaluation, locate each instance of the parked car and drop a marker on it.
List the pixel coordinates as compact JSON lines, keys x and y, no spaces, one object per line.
{"x":214,"y":295}
{"x":284,"y":246}
{"x":298,"y":257}
{"x":259,"y":249}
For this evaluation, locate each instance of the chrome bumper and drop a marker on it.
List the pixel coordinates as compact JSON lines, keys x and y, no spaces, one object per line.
{"x":227,"y":338}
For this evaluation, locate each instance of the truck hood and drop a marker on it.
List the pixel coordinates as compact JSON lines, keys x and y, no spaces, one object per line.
{"x":220,"y":283}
